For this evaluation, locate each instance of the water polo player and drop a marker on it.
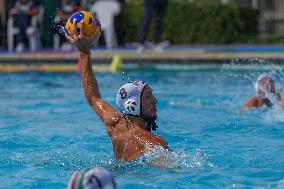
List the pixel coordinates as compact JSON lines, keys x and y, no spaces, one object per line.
{"x":130,"y":127}
{"x":92,"y":178}
{"x":266,"y":94}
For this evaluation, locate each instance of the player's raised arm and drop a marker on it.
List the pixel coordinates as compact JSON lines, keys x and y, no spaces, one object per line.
{"x":106,"y":112}
{"x":83,"y":43}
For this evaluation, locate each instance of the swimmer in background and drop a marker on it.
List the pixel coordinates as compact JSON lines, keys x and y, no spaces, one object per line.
{"x":130,"y":127}
{"x":266,"y":94}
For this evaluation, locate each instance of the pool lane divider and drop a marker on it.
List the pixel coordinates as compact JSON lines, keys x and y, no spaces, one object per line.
{"x":66,"y":61}
{"x":115,"y":66}
{"x":51,"y":68}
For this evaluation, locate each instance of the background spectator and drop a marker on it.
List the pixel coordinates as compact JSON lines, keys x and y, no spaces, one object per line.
{"x":22,"y":12}
{"x":65,"y":8}
{"x":87,"y":4}
{"x":68,"y":7}
{"x":2,"y":16}
{"x":152,"y":8}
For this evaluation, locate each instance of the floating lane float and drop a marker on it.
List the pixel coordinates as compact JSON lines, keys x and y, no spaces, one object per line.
{"x":115,"y":66}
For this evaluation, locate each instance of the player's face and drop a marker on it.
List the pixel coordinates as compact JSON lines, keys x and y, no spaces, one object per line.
{"x":149,"y":111}
{"x":266,"y":84}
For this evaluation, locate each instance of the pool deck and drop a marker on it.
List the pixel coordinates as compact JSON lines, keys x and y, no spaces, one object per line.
{"x":198,"y":54}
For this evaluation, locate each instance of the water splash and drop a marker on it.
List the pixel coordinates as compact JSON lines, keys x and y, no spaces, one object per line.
{"x":250,"y":69}
{"x":275,"y":115}
{"x":178,"y":159}
{"x":186,"y":104}
{"x":127,"y":77}
{"x":158,"y":157}
{"x":255,"y":67}
{"x":278,"y":185}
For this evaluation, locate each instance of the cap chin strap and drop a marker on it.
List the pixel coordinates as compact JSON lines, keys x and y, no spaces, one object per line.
{"x":132,"y":107}
{"x":151,"y":124}
{"x":267,"y":102}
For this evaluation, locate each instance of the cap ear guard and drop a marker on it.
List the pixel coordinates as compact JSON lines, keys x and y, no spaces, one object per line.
{"x":132,"y":107}
{"x":90,"y":178}
{"x":128,"y":98}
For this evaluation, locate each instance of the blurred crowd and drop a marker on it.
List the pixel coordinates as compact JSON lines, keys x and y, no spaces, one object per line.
{"x":21,"y":22}
{"x":25,"y":21}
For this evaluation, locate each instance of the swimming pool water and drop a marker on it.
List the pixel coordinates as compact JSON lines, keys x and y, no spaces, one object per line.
{"x":48,"y":131}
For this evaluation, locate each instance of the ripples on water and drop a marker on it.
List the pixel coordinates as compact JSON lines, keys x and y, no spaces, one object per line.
{"x":48,"y":131}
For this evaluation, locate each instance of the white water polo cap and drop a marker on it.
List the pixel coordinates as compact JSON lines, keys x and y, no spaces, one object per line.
{"x":264,"y":84}
{"x":128,"y":98}
{"x":92,"y":178}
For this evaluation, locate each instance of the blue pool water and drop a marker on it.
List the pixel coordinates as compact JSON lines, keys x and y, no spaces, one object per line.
{"x":48,"y":130}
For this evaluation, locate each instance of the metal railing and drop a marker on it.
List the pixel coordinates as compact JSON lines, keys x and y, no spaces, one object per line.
{"x":271,"y":18}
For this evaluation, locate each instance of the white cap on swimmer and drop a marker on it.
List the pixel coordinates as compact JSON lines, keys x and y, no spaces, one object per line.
{"x":264,"y":84}
{"x":128,"y":98}
{"x":92,"y":178}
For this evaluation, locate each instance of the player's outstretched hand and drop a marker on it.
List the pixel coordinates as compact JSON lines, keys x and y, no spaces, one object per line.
{"x":82,"y":42}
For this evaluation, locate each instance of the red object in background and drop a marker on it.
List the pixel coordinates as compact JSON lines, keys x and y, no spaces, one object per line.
{"x":79,"y":65}
{"x":33,"y":10}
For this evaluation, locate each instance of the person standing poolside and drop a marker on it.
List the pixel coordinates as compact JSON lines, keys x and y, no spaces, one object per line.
{"x":265,"y":94}
{"x":130,"y":127}
{"x":152,"y":9}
